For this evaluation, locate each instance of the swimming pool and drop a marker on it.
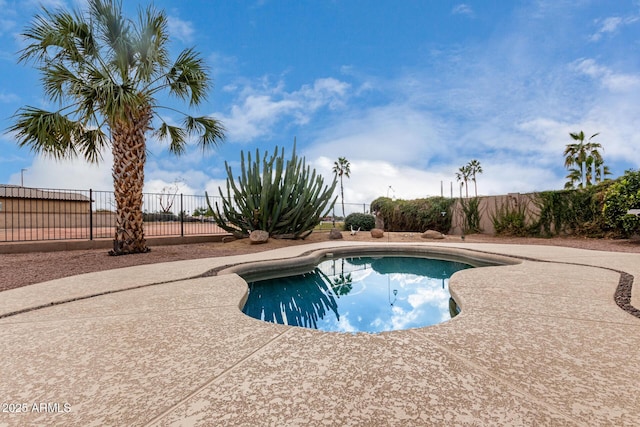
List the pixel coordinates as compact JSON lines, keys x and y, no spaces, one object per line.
{"x":358,"y":294}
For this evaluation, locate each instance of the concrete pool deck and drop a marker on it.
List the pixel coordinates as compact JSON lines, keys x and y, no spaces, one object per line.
{"x":539,"y":342}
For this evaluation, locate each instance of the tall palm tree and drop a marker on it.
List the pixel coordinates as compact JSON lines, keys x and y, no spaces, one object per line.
{"x":104,"y":71}
{"x":474,"y":169}
{"x":463,"y":175}
{"x":342,"y":168}
{"x":579,"y":154}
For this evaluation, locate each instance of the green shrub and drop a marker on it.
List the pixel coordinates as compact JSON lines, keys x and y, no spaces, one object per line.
{"x":159,"y":217}
{"x":417,"y":215}
{"x":622,"y":195}
{"x":576,"y":212}
{"x":364,"y":222}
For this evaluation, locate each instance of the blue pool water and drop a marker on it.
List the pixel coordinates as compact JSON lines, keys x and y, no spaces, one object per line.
{"x":359,"y":294}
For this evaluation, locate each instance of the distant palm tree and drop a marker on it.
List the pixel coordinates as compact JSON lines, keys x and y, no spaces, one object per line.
{"x":582,"y":154}
{"x":342,"y":168}
{"x":463,"y":175}
{"x":105,"y":71}
{"x":474,"y":169}
{"x":575,"y":175}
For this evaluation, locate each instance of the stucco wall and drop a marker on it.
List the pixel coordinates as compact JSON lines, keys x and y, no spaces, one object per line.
{"x":487,"y":208}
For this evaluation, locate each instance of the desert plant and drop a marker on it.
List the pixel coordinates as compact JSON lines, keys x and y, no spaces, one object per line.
{"x":285,"y":199}
{"x":471,"y":210}
{"x":362,"y":221}
{"x":622,"y":195}
{"x":510,"y":217}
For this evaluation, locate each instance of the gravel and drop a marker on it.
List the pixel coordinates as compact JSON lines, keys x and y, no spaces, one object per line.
{"x":18,"y":270}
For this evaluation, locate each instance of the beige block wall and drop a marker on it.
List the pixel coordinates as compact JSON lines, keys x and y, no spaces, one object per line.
{"x":487,"y":208}
{"x":26,"y":213}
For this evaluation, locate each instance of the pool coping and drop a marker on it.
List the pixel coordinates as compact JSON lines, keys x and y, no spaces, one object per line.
{"x":482,"y":360}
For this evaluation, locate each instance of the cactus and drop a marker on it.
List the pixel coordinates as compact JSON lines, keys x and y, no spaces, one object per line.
{"x":285,"y":199}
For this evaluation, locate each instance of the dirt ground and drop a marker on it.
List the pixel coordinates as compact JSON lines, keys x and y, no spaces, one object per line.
{"x":24,"y":269}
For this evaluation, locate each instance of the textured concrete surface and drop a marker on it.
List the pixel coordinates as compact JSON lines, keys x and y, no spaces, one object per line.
{"x":539,"y":342}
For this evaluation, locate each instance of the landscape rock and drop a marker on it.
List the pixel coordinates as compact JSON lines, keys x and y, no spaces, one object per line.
{"x":377,"y":233}
{"x":228,"y":239}
{"x":258,"y":237}
{"x":432,"y":234}
{"x":335,"y":234}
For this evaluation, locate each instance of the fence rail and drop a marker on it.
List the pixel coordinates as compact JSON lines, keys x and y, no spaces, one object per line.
{"x":34,"y":214}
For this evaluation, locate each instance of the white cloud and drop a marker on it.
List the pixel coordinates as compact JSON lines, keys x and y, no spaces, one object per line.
{"x":255,"y":117}
{"x":74,"y":174}
{"x":6,"y":26}
{"x":611,"y":25}
{"x":49,"y":4}
{"x":259,"y":109}
{"x":398,"y":134}
{"x":9,"y":98}
{"x":462,"y":9}
{"x":611,"y":80}
{"x":222,"y":64}
{"x":181,"y":30}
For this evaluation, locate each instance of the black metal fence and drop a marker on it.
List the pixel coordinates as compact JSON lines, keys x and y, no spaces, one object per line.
{"x":31,"y":214}
{"x":349,"y":208}
{"x":28,"y":214}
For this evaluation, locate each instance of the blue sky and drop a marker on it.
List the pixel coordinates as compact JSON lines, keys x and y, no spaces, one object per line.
{"x":407,"y":91}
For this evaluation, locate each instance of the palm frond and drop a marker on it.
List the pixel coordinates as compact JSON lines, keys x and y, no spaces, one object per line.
{"x":91,"y":142}
{"x":116,"y":32}
{"x":577,"y":136}
{"x":211,"y":131}
{"x":187,"y":79}
{"x":45,"y":132}
{"x":59,"y":36}
{"x":59,"y":81}
{"x":176,"y":135}
{"x":151,"y":40}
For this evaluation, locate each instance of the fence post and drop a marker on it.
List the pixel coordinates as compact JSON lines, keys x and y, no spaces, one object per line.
{"x":90,"y":214}
{"x":181,"y":217}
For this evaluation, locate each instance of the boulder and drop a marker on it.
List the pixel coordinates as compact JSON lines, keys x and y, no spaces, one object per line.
{"x":432,"y":234}
{"x":258,"y":237}
{"x":377,"y":233}
{"x":335,"y":234}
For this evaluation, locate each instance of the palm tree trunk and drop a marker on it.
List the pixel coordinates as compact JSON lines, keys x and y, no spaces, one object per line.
{"x":129,"y":155}
{"x":342,"y":197}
